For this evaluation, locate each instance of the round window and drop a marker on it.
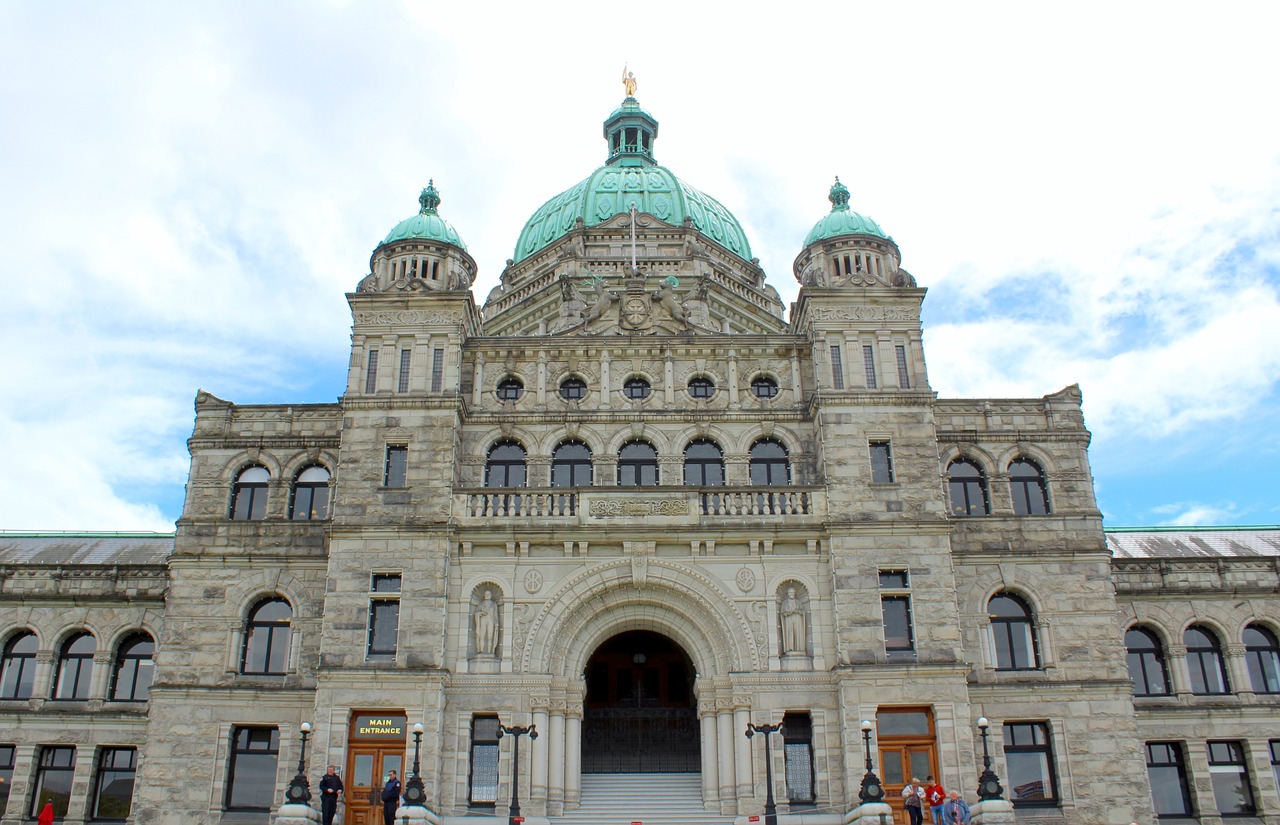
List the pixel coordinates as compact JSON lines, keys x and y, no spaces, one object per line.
{"x":510,"y":389}
{"x":637,"y":389}
{"x":702,"y":387}
{"x":573,"y":389}
{"x":762,"y":386}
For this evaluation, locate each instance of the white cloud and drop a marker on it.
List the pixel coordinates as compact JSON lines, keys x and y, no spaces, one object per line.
{"x":1191,"y":513}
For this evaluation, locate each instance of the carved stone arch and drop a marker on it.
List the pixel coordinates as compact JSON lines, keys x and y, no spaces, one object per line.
{"x":245,"y":459}
{"x":267,"y":584}
{"x":303,"y":459}
{"x":475,"y":589}
{"x":117,"y":636}
{"x":721,"y":381}
{"x":993,"y":582}
{"x":590,"y":436}
{"x":659,"y":439}
{"x":1030,"y":451}
{"x":760,"y":432}
{"x":486,"y":440}
{"x":673,"y":599}
{"x":16,"y":628}
{"x":701,"y":431}
{"x":1215,"y":623}
{"x":985,"y":461}
{"x":1155,"y":618}
{"x":74,"y":628}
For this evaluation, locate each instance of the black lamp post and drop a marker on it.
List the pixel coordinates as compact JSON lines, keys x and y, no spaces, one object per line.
{"x":770,"y":807}
{"x":871,"y":790}
{"x":414,"y":793}
{"x":988,"y":783}
{"x":517,"y":732}
{"x":299,"y":792}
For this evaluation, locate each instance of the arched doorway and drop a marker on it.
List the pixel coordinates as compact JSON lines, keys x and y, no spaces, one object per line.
{"x":640,"y":713}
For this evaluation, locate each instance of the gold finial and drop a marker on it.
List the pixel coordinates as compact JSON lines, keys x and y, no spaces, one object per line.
{"x":628,"y":81}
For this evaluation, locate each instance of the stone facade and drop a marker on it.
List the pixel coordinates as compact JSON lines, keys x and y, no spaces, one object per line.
{"x":774,"y":571}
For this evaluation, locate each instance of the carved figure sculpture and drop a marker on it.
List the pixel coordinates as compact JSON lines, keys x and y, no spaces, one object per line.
{"x":666,"y":298}
{"x":604,"y":299}
{"x":794,"y":637}
{"x":629,"y":82}
{"x":368,"y":283}
{"x":486,"y":625}
{"x":572,"y":306}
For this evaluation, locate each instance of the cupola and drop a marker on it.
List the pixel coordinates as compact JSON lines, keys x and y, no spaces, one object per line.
{"x":422,"y":252}
{"x":631,"y":132}
{"x":848,"y":249}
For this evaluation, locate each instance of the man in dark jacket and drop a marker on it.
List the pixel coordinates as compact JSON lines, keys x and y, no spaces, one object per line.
{"x":390,"y":798}
{"x":330,"y":791}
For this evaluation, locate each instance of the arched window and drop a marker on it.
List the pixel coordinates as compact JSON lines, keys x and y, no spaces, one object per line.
{"x":769,"y":464}
{"x":134,"y":668}
{"x":764,"y":386}
{"x":310,"y":495}
{"x":1204,"y":661}
{"x":573,"y":389}
{"x":1015,"y":633}
{"x":1030,"y":492}
{"x":703,"y":464}
{"x":1262,"y":652}
{"x":18,"y":674}
{"x":967,"y":487}
{"x":637,"y":465}
{"x":510,"y":389}
{"x":1146,"y":663}
{"x":701,"y":387}
{"x":571,"y":465}
{"x":249,"y":494}
{"x":75,"y":667}
{"x":505,"y":466}
{"x":266,"y":638}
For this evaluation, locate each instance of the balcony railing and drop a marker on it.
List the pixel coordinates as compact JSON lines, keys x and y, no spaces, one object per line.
{"x":758,"y":501}
{"x":586,"y":505}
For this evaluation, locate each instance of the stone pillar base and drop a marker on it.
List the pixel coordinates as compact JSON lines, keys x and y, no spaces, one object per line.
{"x":416,"y":815}
{"x":992,"y":812}
{"x":294,"y":814}
{"x":796,"y":661}
{"x":870,"y":813}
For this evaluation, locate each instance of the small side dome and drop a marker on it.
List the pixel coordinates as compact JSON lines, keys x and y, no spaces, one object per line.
{"x":427,"y":225}
{"x":843,"y":220}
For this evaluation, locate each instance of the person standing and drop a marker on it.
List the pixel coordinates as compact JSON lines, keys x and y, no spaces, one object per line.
{"x":912,"y":800}
{"x":935,"y":796}
{"x":390,"y":798}
{"x":956,"y":811}
{"x":330,"y":791}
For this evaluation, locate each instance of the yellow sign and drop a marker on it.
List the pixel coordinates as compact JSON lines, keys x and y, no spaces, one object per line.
{"x":378,"y":727}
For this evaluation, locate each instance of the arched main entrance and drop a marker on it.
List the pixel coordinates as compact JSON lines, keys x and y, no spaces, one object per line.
{"x":640,"y":713}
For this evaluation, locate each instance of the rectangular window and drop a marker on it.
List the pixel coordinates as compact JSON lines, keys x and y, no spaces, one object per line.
{"x":881,"y":463}
{"x":6,"y":774}
{"x":797,"y":747}
{"x":1230,"y":775}
{"x":251,"y":780}
{"x":397,"y":466}
{"x":897,"y":623}
{"x":484,"y":760}
{"x":384,"y":614}
{"x":837,"y":368}
{"x":1274,"y":744}
{"x":371,"y":372}
{"x":1167,"y":773}
{"x":405,"y":355}
{"x":53,"y":780}
{"x":1028,"y":755}
{"x":113,"y":787}
{"x":869,"y":364}
{"x":437,"y":370}
{"x":894,"y":580}
{"x":904,"y":377}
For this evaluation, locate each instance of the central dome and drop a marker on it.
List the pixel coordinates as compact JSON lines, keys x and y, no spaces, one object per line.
{"x":631,"y":176}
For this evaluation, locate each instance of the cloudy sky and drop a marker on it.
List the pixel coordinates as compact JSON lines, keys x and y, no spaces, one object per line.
{"x":1090,"y":191}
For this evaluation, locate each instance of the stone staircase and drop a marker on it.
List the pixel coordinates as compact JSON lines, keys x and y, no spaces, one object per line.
{"x":651,"y":798}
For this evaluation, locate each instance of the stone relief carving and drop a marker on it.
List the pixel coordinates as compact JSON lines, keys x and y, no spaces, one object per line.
{"x":663,"y":507}
{"x":746,"y":579}
{"x":398,"y":317}
{"x":533,"y":581}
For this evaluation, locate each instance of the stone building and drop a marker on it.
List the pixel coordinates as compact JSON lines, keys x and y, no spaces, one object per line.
{"x":630,"y":501}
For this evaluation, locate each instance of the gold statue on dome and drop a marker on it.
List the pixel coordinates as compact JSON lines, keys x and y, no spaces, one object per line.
{"x":629,"y":82}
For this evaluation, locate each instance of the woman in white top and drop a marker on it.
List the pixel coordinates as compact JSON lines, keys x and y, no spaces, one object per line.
{"x":913,"y":801}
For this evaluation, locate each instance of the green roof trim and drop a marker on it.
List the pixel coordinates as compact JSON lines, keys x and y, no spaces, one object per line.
{"x":427,"y":225}
{"x":1166,"y":528}
{"x":79,"y":534}
{"x":842,"y":220}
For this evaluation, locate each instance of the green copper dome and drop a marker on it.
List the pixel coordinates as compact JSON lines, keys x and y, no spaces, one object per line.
{"x":427,"y":225}
{"x":842,"y":220}
{"x":631,"y":176}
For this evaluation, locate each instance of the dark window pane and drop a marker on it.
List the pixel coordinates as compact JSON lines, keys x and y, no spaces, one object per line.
{"x":484,"y":760}
{"x":764,"y":387}
{"x":252,"y":780}
{"x":571,"y":465}
{"x":371,"y":372}
{"x":1146,"y":663}
{"x":637,"y":465}
{"x":310,"y":495}
{"x":967,"y":489}
{"x":703,"y":464}
{"x":505,"y":466}
{"x":769,"y":464}
{"x":881,"y":463}
{"x":75,"y":667}
{"x":249,"y":494}
{"x":267,"y":635}
{"x":902,"y":723}
{"x":510,"y":389}
{"x":701,"y":387}
{"x":636,"y":389}
{"x":573,"y":389}
{"x":384,"y":622}
{"x":1030,"y":492}
{"x":1204,"y":662}
{"x":897,"y":622}
{"x":904,"y":374}
{"x":114,"y":784}
{"x":134,"y":668}
{"x":893,"y":579}
{"x":53,"y":780}
{"x":405,"y":355}
{"x":1029,"y":758}
{"x":385,"y":583}
{"x":397,"y":466}
{"x":19,"y":672}
{"x":1230,"y":776}
{"x":869,"y":366}
{"x":1167,"y":773}
{"x":437,"y":370}
{"x":837,"y":369}
{"x":6,"y":774}
{"x":797,"y":737}
{"x":1011,"y":625}
{"x":1262,"y":653}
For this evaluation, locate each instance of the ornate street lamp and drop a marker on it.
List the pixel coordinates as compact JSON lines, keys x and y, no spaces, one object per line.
{"x":299,"y":792}
{"x":517,"y":732}
{"x":414,"y":793}
{"x":988,"y":783}
{"x":770,"y":807}
{"x":871,"y":790}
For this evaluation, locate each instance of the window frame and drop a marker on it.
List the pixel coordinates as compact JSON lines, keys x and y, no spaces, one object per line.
{"x":124,"y":655}
{"x":509,"y":388}
{"x":1198,"y":657}
{"x":701,"y":388}
{"x":8,"y":758}
{"x":254,"y":495}
{"x":573,"y":388}
{"x":82,"y":665}
{"x":1145,"y":659}
{"x":764,"y":387}
{"x":637,"y":466}
{"x":700,"y":464}
{"x":797,"y":752}
{"x":1019,"y":751}
{"x":396,"y":470}
{"x":23,"y":683}
{"x":273,"y":630}
{"x":1262,"y":660}
{"x":476,"y":744}
{"x":239,"y":752}
{"x":1175,"y":759}
{"x":45,"y":765}
{"x":313,"y":491}
{"x":384,"y":593}
{"x":506,"y":467}
{"x":575,"y":467}
{"x":769,"y":464}
{"x":637,"y":388}
{"x":1236,"y":749}
{"x":962,"y":505}
{"x":881,"y":466}
{"x":102,"y":772}
{"x":1029,"y":491}
{"x":1027,"y":620}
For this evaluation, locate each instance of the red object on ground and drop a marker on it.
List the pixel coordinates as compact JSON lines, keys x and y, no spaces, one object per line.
{"x":46,"y":816}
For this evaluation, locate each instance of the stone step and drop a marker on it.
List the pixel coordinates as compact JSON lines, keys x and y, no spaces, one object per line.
{"x":651,"y":798}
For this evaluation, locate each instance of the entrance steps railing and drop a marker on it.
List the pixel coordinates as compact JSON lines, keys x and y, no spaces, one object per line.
{"x":651,"y":798}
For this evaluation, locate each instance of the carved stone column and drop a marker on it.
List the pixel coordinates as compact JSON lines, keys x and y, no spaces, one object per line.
{"x":573,"y":756}
{"x":555,"y":782}
{"x":742,"y":750}
{"x":724,"y":731}
{"x":538,"y":753}
{"x":710,"y":764}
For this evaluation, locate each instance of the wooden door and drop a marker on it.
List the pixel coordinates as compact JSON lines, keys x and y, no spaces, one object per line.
{"x":367,"y":767}
{"x":898,"y":764}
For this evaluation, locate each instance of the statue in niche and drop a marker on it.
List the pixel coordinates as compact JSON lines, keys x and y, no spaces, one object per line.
{"x":795,"y":639}
{"x":486,"y":625}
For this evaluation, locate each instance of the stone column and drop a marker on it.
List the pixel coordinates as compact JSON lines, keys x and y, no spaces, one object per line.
{"x":101,"y":682}
{"x":573,"y":756}
{"x":742,"y":750}
{"x":1178,"y":669}
{"x":42,"y":681}
{"x":724,"y":751}
{"x":1238,"y":669}
{"x":733,"y":377}
{"x":539,"y":758}
{"x":710,"y":763}
{"x":555,"y":783}
{"x":992,"y":812}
